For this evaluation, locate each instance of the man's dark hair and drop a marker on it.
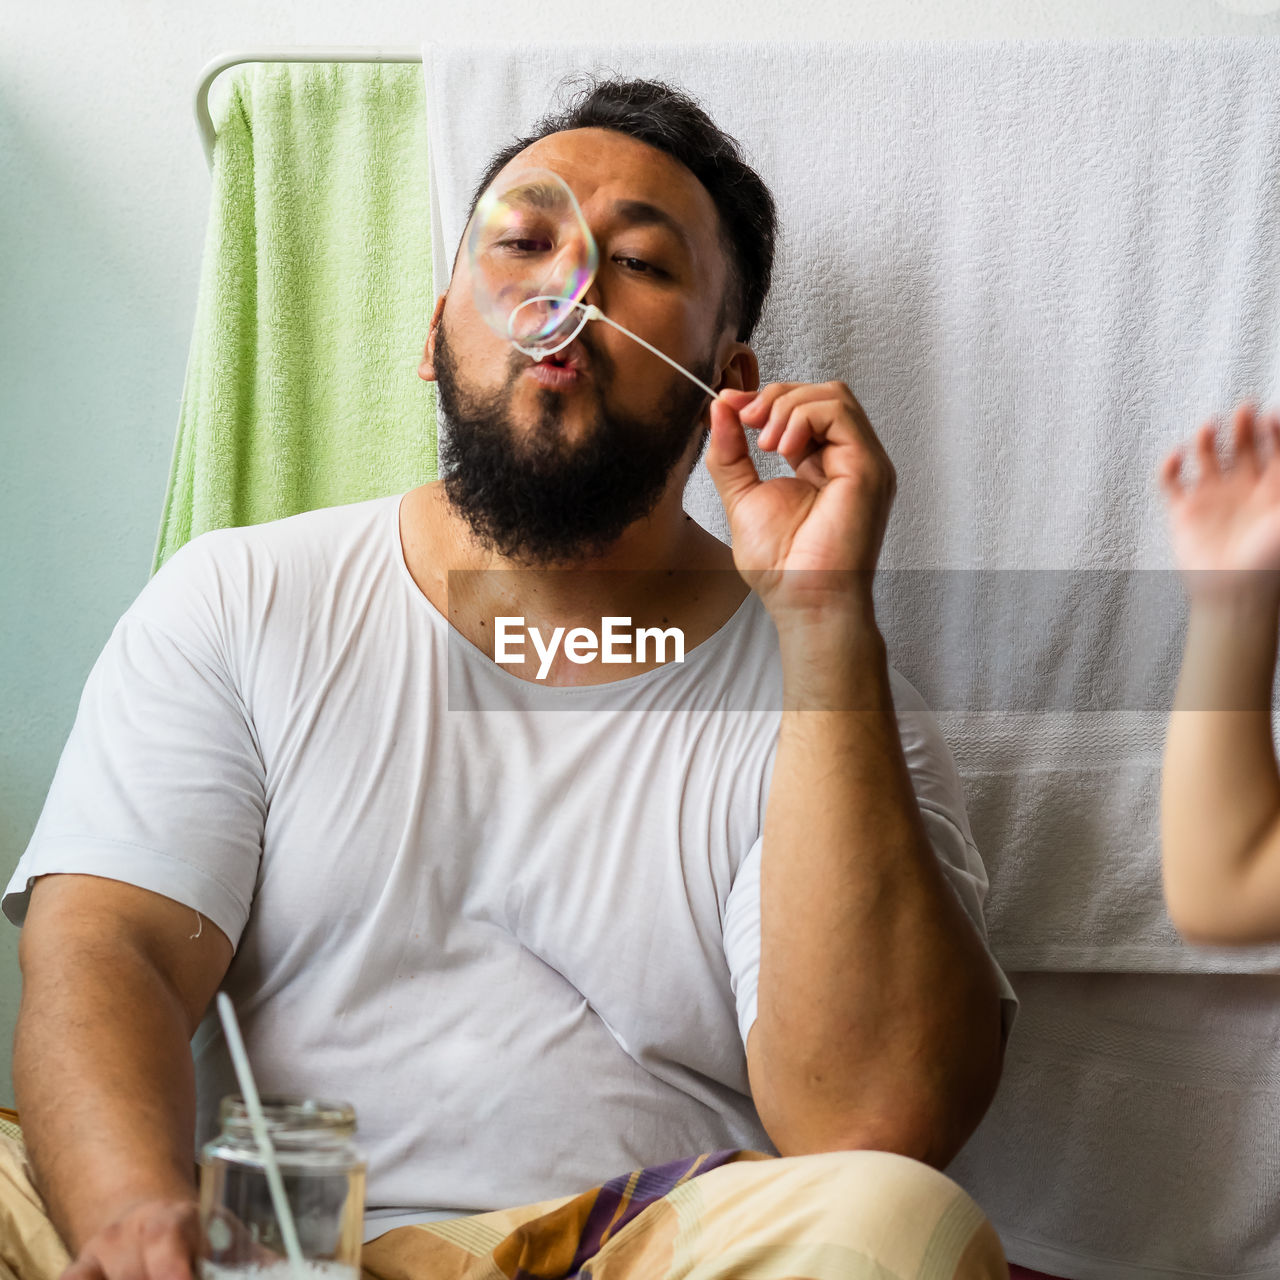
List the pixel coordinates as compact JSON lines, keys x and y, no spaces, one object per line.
{"x":671,"y":121}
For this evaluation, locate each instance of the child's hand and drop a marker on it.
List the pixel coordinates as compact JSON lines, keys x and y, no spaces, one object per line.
{"x":1229,"y":519}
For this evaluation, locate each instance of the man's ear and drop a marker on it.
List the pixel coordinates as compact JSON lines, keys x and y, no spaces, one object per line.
{"x":427,"y":369}
{"x":739,"y":369}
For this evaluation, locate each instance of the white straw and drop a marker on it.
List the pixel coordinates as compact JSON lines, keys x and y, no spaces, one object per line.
{"x":258,"y":1122}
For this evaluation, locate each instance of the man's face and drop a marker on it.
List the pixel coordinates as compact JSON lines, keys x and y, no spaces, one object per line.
{"x":548,"y":464}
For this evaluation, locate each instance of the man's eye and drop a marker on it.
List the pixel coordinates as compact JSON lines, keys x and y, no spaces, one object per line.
{"x":638,"y":265}
{"x":523,"y":244}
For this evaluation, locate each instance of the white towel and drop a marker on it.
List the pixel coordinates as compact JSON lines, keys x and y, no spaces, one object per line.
{"x":1039,"y":265}
{"x":1134,"y":1133}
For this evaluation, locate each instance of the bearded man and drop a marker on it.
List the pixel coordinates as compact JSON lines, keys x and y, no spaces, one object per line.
{"x":540,"y":920}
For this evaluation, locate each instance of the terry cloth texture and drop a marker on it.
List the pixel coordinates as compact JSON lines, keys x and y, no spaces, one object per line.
{"x":1039,"y":265}
{"x":1134,"y":1133}
{"x":315,"y":298}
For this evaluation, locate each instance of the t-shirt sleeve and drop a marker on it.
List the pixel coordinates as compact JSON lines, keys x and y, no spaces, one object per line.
{"x":161,"y":782}
{"x":941,"y":801}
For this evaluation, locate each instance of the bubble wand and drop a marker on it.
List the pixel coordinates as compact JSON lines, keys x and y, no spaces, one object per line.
{"x":528,"y":232}
{"x":591,"y":312}
{"x":258,"y":1123}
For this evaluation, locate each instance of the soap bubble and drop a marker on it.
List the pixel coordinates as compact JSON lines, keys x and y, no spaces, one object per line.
{"x":532,"y":259}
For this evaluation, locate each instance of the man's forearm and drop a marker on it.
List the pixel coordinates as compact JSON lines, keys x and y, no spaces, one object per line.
{"x":104,"y":1082}
{"x":878,"y":1019}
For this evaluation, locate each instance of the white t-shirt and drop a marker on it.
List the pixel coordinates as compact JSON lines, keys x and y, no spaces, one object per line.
{"x":522,"y":942}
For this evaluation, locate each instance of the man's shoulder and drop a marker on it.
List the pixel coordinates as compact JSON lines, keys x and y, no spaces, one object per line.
{"x":309,"y":540}
{"x":240,"y":569}
{"x":315,"y":533}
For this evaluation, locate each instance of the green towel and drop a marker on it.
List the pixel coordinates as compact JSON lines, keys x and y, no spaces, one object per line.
{"x":315,"y":297}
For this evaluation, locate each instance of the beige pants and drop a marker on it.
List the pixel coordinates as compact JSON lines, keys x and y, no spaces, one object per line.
{"x":856,"y":1215}
{"x":29,"y":1246}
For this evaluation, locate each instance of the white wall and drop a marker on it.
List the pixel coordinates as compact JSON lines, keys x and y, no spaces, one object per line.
{"x":103,"y":194}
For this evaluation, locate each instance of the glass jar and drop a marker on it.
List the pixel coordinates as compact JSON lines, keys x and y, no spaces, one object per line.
{"x":323,"y":1176}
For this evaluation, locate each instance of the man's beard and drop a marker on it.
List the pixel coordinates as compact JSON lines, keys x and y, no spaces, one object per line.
{"x":538,"y":498}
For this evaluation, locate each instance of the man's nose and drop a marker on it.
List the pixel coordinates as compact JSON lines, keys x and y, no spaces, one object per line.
{"x":594,"y":295}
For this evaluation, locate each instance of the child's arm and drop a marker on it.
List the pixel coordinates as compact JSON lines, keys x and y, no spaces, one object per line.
{"x":1220,"y":801}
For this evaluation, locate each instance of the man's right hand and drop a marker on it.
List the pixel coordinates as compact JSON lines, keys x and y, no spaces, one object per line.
{"x":155,"y":1240}
{"x":115,"y":981}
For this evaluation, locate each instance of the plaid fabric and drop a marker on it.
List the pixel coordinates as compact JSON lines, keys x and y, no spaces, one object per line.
{"x":551,"y":1240}
{"x":731,"y":1215}
{"x":588,"y":1222}
{"x":861,"y":1215}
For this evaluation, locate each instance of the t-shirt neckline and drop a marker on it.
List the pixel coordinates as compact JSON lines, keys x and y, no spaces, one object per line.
{"x":697,"y":656}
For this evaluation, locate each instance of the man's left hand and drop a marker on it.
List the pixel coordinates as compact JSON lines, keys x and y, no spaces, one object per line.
{"x":806,"y":543}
